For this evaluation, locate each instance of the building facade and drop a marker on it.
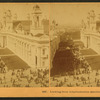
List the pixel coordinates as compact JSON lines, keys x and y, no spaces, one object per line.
{"x":90,"y":34}
{"x":27,"y":39}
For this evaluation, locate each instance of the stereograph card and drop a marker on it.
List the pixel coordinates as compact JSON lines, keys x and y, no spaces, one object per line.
{"x":49,"y":49}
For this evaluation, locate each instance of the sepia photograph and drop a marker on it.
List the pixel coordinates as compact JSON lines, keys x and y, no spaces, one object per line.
{"x":75,"y":45}
{"x":24,"y":45}
{"x":49,"y":49}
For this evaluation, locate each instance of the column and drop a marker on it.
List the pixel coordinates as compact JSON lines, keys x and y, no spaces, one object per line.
{"x":33,"y":56}
{"x":38,"y":57}
{"x":22,"y":50}
{"x":16,"y":46}
{"x":30,"y":54}
{"x":25,"y":51}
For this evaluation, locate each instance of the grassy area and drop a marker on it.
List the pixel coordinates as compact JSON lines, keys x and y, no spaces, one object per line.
{"x":88,"y":52}
{"x":14,"y":62}
{"x":94,"y":62}
{"x":5,"y":51}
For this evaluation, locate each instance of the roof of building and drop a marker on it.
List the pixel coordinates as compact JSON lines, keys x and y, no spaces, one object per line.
{"x":25,"y":24}
{"x":14,"y":62}
{"x":11,"y":60}
{"x":94,"y":62}
{"x":98,"y":21}
{"x":88,"y":52}
{"x":38,"y":35}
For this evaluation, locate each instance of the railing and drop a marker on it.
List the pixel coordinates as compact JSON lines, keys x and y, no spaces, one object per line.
{"x":27,"y":37}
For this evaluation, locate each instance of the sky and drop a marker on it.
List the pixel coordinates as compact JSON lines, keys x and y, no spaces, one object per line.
{"x":72,"y":13}
{"x":64,"y":14}
{"x":23,"y":9}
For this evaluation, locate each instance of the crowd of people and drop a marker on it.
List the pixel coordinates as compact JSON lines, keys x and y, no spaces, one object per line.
{"x":23,"y":77}
{"x":91,"y":79}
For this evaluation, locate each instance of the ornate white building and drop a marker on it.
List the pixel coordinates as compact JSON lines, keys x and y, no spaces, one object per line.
{"x":27,"y":38}
{"x":90,"y":33}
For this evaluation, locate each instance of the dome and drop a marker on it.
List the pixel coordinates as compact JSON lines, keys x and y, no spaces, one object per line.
{"x":36,"y":10}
